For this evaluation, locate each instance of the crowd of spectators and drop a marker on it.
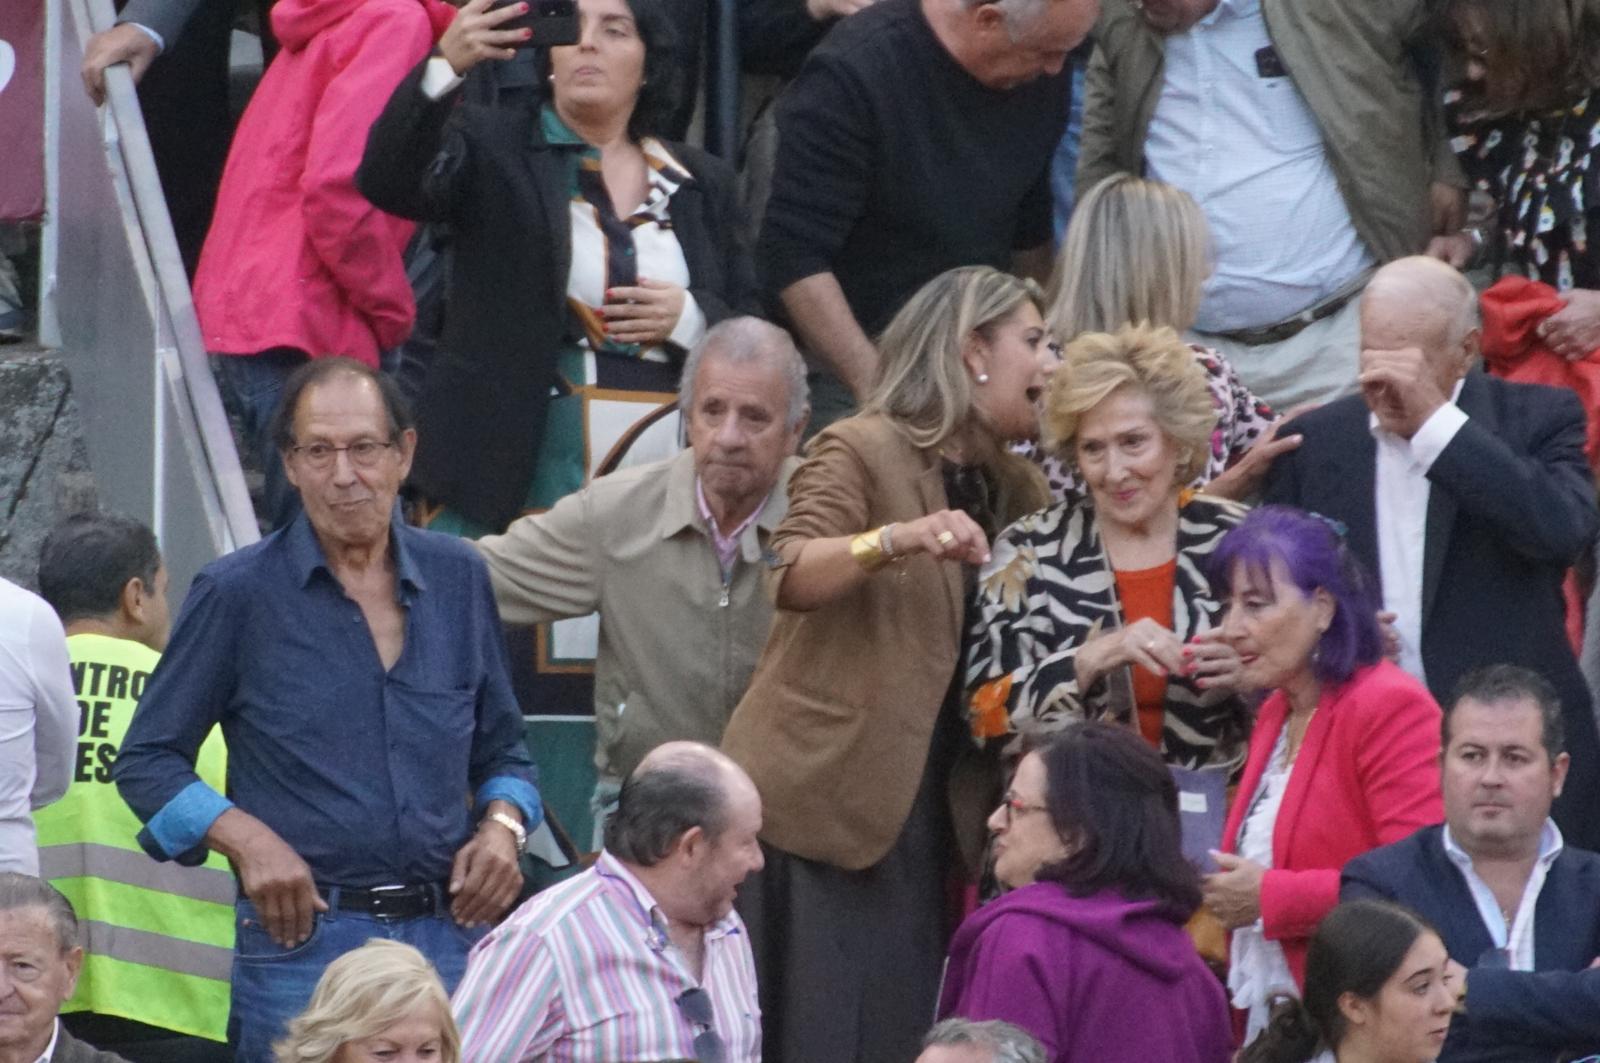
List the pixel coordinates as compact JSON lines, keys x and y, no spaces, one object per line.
{"x":1162,"y":647}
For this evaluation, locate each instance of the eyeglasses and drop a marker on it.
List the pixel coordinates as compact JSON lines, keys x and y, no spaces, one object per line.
{"x":696,"y":1007}
{"x":364,"y":453}
{"x":1013,"y":806}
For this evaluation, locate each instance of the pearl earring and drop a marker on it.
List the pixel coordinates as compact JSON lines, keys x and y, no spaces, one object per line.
{"x":983,"y":378}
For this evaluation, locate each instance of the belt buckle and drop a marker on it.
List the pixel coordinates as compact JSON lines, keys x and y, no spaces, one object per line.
{"x":388,"y":902}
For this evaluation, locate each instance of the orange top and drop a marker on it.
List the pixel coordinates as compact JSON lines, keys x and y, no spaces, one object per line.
{"x":1146,"y":593}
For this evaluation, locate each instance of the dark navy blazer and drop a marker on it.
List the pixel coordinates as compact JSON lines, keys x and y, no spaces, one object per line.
{"x":1511,"y":1015}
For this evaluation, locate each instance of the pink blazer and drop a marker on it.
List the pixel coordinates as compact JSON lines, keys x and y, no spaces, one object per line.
{"x":1367,"y":775}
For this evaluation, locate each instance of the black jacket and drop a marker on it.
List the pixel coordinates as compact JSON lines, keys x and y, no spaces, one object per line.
{"x":486,"y":171}
{"x":1511,"y":506}
{"x":1512,"y":1016}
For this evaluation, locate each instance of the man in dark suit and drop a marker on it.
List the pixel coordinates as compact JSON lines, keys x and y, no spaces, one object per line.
{"x":1468,"y":497}
{"x":39,"y":962}
{"x":1515,"y":905}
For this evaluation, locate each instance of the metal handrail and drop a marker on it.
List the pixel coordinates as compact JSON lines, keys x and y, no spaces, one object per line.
{"x":193,"y":412}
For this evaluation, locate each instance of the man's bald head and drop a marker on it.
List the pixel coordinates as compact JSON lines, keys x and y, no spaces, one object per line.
{"x":1421,"y":303}
{"x":676,"y":787}
{"x":1425,"y":288}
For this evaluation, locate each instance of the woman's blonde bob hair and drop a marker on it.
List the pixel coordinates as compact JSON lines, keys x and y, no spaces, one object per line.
{"x":923,"y":384}
{"x":363,"y":993}
{"x":1154,"y":362}
{"x":1136,"y":251}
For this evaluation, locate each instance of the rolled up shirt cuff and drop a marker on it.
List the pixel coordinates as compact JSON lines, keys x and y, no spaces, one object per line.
{"x":152,"y":34}
{"x":179,"y":829}
{"x":1435,"y":434}
{"x":439,"y":77}
{"x":518,"y":792}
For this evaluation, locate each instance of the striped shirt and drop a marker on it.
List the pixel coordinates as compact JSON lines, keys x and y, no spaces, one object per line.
{"x":585,"y":973}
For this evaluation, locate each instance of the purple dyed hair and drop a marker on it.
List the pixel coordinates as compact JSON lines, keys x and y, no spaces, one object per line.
{"x":1312,"y":550}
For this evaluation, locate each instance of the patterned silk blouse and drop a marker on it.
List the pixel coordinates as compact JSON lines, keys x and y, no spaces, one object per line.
{"x":1048,"y":589}
{"x":1543,"y":173}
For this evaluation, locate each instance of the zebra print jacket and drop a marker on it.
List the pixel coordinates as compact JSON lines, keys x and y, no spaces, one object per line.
{"x":1048,"y":589}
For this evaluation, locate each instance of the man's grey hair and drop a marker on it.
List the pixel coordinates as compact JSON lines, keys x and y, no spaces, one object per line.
{"x":1008,"y":1043}
{"x":18,"y":891}
{"x":741,"y":341}
{"x":1019,"y":14}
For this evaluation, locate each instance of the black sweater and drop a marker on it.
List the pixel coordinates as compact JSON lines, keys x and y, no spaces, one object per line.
{"x":895,"y":164}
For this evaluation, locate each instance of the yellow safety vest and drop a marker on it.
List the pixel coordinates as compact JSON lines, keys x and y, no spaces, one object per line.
{"x":157,"y":936}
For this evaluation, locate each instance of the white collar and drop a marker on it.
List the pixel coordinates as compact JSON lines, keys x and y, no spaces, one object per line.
{"x":50,"y":1049}
{"x":1551,"y":843}
{"x":1383,"y":435}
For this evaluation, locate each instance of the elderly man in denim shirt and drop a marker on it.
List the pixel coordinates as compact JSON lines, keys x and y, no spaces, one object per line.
{"x":377,"y":780}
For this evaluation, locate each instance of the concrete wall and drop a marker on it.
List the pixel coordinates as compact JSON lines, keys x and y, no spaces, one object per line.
{"x":44,"y":466}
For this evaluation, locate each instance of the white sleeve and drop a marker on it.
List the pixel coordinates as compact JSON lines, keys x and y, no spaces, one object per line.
{"x":55,"y":729}
{"x":439,"y":77}
{"x":691,"y":323}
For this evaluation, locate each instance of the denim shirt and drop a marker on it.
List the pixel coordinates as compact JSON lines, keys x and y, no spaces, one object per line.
{"x":373,"y":777}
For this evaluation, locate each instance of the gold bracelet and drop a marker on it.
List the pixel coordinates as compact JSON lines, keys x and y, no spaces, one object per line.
{"x":867,"y":550}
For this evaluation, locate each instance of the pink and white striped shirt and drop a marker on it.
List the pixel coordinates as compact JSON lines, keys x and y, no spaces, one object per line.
{"x":585,"y":973}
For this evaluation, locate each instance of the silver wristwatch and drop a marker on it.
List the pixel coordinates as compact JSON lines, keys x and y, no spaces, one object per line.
{"x":514,"y":827}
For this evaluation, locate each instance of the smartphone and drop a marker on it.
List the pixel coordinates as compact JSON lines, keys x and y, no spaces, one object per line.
{"x":553,"y":22}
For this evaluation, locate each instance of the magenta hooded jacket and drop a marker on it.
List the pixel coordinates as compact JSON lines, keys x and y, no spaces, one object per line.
{"x":1098,"y":979}
{"x":296,"y":257}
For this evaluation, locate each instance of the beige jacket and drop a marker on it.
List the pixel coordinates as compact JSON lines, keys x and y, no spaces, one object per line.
{"x":1355,"y":64}
{"x":676,"y":646}
{"x":836,"y":727}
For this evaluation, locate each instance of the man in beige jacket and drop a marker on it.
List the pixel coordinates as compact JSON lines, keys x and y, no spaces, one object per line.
{"x":669,"y":554}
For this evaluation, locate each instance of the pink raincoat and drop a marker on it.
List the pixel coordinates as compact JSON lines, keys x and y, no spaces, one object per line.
{"x":296,"y":257}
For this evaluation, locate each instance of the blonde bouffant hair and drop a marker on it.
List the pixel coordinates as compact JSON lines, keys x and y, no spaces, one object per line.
{"x":1151,"y":361}
{"x":363,"y":993}
{"x":924,"y":387}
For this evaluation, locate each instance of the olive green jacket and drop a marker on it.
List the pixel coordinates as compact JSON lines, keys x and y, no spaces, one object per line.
{"x":1354,"y":62}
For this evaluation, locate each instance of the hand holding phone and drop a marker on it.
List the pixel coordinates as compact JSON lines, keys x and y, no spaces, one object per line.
{"x":550,"y":23}
{"x":479,"y":31}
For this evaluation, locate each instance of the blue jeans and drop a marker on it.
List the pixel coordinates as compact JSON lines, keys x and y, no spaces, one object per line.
{"x":271,"y":984}
{"x":252,"y":387}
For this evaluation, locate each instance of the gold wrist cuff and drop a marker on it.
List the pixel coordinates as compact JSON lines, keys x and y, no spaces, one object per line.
{"x":867,"y":550}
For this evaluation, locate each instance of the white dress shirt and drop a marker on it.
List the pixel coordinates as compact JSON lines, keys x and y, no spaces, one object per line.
{"x":1246,"y":146}
{"x":1516,"y":939}
{"x":1401,"y":492}
{"x":50,"y":1049}
{"x":38,"y":721}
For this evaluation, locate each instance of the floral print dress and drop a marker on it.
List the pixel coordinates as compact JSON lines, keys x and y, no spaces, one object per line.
{"x":1541,"y":171}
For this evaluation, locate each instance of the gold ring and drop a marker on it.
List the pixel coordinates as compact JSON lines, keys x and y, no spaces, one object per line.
{"x":945,"y":538}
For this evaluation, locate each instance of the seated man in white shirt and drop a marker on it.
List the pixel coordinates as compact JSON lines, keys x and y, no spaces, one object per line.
{"x":39,"y":962}
{"x":1514,"y":904}
{"x":1467,"y":496}
{"x":38,"y":721}
{"x":642,"y":956}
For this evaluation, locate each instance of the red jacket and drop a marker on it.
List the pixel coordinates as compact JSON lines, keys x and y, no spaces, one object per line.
{"x":1513,"y":310}
{"x":296,"y":257}
{"x":1366,"y":775}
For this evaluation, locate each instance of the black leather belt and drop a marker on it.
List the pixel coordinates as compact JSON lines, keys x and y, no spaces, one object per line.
{"x":1293,"y":326}
{"x":389,"y":902}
